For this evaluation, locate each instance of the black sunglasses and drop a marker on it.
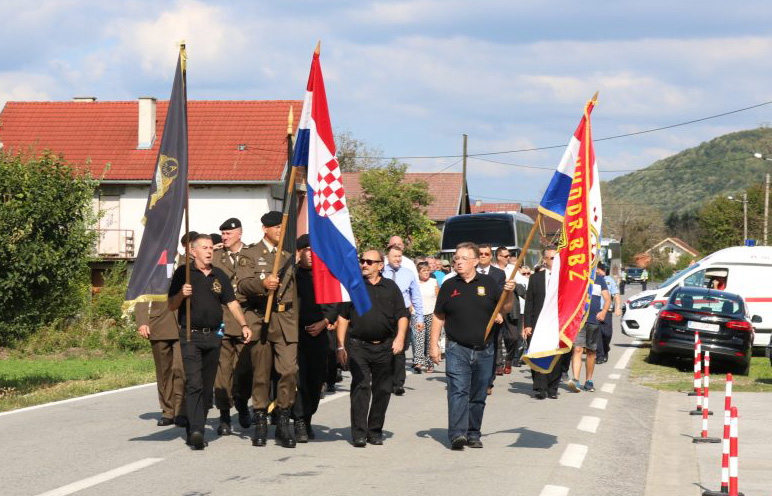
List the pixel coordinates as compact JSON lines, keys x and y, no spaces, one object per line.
{"x":368,"y":261}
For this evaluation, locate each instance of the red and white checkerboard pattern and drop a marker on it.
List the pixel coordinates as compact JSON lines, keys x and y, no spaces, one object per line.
{"x":329,"y":196}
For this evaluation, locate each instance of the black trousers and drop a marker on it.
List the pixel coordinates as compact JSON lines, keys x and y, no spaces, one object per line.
{"x":312,"y":369}
{"x":509,"y":340}
{"x":371,"y":379}
{"x":332,"y":360}
{"x":548,"y":383}
{"x":604,"y":338}
{"x":399,"y":361}
{"x":200,"y":357}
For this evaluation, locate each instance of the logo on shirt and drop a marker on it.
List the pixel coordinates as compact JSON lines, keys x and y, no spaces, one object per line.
{"x":455,"y":293}
{"x":480,"y":290}
{"x":216,"y":287}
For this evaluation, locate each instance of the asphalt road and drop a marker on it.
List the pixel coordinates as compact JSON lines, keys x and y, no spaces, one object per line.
{"x":586,"y":443}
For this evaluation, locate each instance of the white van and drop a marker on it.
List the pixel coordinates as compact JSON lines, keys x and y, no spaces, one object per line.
{"x":744,"y":270}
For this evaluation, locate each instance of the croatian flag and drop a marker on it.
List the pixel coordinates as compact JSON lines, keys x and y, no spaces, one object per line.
{"x":335,"y":267}
{"x":573,"y":197}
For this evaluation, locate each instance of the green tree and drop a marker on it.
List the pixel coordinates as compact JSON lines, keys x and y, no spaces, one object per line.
{"x":391,"y":206}
{"x":45,"y":241}
{"x":355,"y":155}
{"x":721,"y":220}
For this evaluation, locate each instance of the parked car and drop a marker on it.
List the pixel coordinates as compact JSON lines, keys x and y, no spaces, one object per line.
{"x":743,"y":270}
{"x":633,"y":274}
{"x":722,"y":319}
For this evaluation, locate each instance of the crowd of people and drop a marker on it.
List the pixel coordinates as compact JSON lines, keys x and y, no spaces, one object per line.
{"x":246,"y":326}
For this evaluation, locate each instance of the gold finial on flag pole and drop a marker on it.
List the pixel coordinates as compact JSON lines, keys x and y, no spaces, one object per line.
{"x":290,"y":120}
{"x":318,"y":47}
{"x":183,"y":55}
{"x":595,"y":97}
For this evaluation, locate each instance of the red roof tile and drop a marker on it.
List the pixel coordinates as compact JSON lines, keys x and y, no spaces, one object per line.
{"x":495,"y":207}
{"x":106,"y":133}
{"x":444,"y":187}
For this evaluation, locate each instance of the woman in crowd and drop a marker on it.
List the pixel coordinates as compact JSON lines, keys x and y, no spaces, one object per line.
{"x":429,"y":290}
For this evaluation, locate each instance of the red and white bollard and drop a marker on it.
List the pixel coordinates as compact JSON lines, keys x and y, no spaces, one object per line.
{"x":725,"y":451}
{"x":705,"y":405}
{"x":733,"y":465}
{"x":697,"y":379}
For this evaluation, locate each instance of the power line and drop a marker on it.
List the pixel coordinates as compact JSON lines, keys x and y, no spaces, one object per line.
{"x":637,"y":133}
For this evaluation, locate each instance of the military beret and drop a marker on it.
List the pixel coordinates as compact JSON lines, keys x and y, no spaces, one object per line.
{"x":271,"y":219}
{"x":216,"y":238}
{"x":189,"y":235}
{"x":602,"y":266}
{"x":232,"y":223}
{"x":303,"y":242}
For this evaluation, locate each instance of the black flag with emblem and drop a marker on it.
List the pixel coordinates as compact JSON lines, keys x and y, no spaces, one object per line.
{"x":154,"y":265}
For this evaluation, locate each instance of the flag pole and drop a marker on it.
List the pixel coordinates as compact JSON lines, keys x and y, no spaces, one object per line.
{"x":518,"y":263}
{"x":183,"y":59}
{"x":285,"y":216}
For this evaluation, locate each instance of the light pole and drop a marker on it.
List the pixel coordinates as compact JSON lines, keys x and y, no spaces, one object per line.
{"x":744,"y":201}
{"x":766,"y":195}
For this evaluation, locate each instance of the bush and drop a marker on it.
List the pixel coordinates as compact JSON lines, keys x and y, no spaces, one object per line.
{"x":45,"y":242}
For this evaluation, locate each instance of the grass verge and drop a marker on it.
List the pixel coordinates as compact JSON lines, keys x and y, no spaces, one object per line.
{"x":677,"y":374}
{"x":33,"y":380}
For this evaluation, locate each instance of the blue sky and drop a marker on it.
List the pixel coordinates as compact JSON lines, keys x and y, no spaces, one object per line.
{"x":411,"y":77}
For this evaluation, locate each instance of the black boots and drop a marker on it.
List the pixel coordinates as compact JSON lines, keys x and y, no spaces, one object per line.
{"x":284,"y":433}
{"x":301,"y":430}
{"x":261,"y":428}
{"x":225,"y":423}
{"x":245,"y":419}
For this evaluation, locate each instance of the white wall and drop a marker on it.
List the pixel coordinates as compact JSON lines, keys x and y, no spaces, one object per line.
{"x":210,"y":206}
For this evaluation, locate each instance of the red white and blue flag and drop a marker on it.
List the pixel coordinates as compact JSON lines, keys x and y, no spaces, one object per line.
{"x":335,"y":267}
{"x":572,"y":197}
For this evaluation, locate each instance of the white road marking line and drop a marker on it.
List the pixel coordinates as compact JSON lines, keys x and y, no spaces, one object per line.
{"x":589,"y":424}
{"x":614,"y":376}
{"x":599,"y":403}
{"x":79,"y":398}
{"x":100,"y":478}
{"x":554,"y":491}
{"x":609,"y":387}
{"x":625,"y":358}
{"x":574,"y":455}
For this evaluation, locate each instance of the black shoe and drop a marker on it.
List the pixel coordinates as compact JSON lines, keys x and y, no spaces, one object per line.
{"x":359,"y":442}
{"x":261,"y":428}
{"x":601,"y":360}
{"x":196,"y":440}
{"x":399,"y":391}
{"x":224,"y":429}
{"x":552,"y":396}
{"x":164,"y":422}
{"x":375,"y":440}
{"x":285,"y":434}
{"x":310,"y":431}
{"x":181,"y":421}
{"x":245,"y":418}
{"x":301,"y":430}
{"x":540,"y":395}
{"x":457,"y":444}
{"x":339,"y":376}
{"x":474,"y":443}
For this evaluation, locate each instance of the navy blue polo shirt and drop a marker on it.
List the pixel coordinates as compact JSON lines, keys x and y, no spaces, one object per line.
{"x":467,"y":307}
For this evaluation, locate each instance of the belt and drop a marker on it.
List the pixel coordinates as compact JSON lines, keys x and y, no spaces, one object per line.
{"x":471,"y":347}
{"x":202,"y":330}
{"x":368,"y":342}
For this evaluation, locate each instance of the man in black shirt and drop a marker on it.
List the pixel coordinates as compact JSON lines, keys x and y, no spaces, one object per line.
{"x":368,"y":349}
{"x":313,"y":344}
{"x":208,"y":290}
{"x":464,"y":306}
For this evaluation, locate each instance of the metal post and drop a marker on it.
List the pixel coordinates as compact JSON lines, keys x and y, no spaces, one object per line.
{"x":464,"y":192}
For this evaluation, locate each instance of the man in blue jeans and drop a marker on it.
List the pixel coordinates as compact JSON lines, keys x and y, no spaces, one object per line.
{"x":464,"y":306}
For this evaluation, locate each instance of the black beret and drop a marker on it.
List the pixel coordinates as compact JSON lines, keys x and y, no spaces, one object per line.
{"x":232,"y":223}
{"x":303,"y":242}
{"x":271,"y":219}
{"x":216,"y":238}
{"x":189,"y":235}
{"x":602,"y":266}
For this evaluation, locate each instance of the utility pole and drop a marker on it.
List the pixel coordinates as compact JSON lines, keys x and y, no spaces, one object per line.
{"x":464,"y":192}
{"x":766,"y":207}
{"x":745,"y":217}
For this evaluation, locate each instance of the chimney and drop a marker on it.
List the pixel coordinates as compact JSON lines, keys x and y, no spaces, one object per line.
{"x":146,"y":123}
{"x":84,"y":99}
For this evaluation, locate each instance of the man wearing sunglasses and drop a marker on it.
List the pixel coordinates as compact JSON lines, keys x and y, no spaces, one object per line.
{"x":366,"y":344}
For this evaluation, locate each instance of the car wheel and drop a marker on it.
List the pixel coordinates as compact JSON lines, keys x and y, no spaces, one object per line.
{"x":654,"y":357}
{"x":744,"y":369}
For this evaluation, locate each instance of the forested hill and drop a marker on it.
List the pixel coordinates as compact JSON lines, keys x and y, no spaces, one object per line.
{"x":683,"y":182}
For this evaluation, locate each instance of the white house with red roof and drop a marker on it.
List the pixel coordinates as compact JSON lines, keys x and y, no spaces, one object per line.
{"x":237,"y":158}
{"x":674,"y":249}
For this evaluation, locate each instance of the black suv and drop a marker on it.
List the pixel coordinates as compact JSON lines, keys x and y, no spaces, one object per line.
{"x":633,"y":274}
